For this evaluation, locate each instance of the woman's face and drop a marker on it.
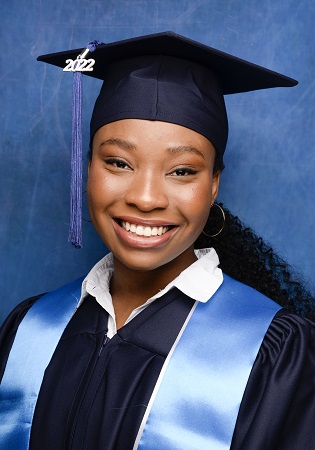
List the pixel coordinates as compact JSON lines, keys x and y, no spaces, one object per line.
{"x":150,"y":188}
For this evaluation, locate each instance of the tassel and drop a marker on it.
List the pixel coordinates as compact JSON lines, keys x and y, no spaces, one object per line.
{"x":75,"y":230}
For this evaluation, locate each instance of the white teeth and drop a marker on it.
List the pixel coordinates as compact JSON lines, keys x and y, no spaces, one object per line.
{"x":139,"y":230}
{"x":144,"y":231}
{"x":147,"y":231}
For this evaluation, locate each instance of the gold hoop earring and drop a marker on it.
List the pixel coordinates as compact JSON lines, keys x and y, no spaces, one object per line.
{"x":223,"y":218}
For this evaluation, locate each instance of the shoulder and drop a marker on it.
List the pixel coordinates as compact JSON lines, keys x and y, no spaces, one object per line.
{"x":279,"y":398}
{"x":246,"y":301}
{"x":288,"y":346}
{"x":15,"y":317}
{"x":287,"y":328}
{"x":69,"y":294}
{"x":10,"y":326}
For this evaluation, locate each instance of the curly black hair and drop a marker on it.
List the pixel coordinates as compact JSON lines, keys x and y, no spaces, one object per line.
{"x":249,"y":259}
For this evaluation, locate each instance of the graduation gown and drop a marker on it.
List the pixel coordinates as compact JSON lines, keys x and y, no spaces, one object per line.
{"x":95,"y":390}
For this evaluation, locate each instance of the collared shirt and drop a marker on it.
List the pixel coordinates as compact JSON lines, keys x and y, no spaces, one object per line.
{"x":199,"y":281}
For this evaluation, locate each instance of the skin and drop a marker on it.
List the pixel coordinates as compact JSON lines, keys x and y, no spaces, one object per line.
{"x":151,"y":174}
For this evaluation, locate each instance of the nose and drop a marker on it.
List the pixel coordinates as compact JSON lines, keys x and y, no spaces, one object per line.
{"x":147,"y":192}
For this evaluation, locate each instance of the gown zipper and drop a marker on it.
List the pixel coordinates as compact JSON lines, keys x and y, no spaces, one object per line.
{"x":105,"y":340}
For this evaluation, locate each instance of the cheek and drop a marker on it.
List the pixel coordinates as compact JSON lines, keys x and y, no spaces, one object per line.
{"x":95,"y":189}
{"x":195,"y":203}
{"x":102,"y":189}
{"x":201,"y":210}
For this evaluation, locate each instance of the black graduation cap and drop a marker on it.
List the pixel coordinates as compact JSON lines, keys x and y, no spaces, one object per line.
{"x":120,"y":59}
{"x":166,"y":77}
{"x":236,"y":75}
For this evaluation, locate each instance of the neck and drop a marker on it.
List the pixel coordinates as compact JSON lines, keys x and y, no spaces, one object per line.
{"x":132,"y":288}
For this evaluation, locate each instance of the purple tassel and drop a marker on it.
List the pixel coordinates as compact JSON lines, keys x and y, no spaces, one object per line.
{"x":75,"y":231}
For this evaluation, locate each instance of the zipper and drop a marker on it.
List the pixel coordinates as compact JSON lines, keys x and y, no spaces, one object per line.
{"x":105,"y":340}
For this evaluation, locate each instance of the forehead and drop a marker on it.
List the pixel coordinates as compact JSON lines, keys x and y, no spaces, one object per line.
{"x":147,"y":135}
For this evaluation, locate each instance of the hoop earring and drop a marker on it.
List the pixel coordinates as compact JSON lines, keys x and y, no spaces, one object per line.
{"x":223,"y":218}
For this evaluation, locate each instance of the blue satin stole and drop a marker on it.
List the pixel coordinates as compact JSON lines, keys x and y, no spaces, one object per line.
{"x":198,"y":394}
{"x":197,"y":397}
{"x":33,"y":347}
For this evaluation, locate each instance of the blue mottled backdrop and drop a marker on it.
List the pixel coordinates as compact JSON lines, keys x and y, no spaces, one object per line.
{"x":270,"y":161}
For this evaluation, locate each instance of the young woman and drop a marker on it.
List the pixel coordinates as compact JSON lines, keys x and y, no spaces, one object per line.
{"x":157,"y":348}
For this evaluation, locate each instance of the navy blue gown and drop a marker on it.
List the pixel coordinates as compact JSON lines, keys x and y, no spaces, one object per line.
{"x":95,"y":390}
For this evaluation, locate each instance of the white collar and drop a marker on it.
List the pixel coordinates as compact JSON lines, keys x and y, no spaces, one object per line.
{"x":199,"y":281}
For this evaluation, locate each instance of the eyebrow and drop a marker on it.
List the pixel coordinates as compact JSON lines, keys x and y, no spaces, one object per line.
{"x":185,"y":149}
{"x":171,"y":150}
{"x":119,"y":143}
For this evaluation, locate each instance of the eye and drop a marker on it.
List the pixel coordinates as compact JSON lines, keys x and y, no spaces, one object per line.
{"x":119,"y":163}
{"x":183,"y":171}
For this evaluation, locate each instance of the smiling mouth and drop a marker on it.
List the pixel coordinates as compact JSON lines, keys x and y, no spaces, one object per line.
{"x":144,"y":230}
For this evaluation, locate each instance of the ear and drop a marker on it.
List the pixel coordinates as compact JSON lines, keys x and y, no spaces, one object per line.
{"x":215,"y":186}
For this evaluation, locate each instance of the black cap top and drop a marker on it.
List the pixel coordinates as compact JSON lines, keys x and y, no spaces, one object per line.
{"x":236,"y":75}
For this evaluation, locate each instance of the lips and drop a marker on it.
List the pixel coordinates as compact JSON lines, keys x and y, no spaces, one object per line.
{"x":144,"y":230}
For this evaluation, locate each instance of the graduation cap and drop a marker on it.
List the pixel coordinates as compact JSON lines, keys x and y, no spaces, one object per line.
{"x":165,"y":77}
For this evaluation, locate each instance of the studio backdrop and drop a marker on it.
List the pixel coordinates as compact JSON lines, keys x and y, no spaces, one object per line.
{"x":270,"y":159}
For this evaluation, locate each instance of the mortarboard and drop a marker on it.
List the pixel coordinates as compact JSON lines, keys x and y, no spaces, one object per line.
{"x":164,"y":77}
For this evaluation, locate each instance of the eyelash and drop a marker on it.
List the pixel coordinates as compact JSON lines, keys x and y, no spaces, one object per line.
{"x":117,"y":163}
{"x":186,"y":170}
{"x":180,"y":172}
